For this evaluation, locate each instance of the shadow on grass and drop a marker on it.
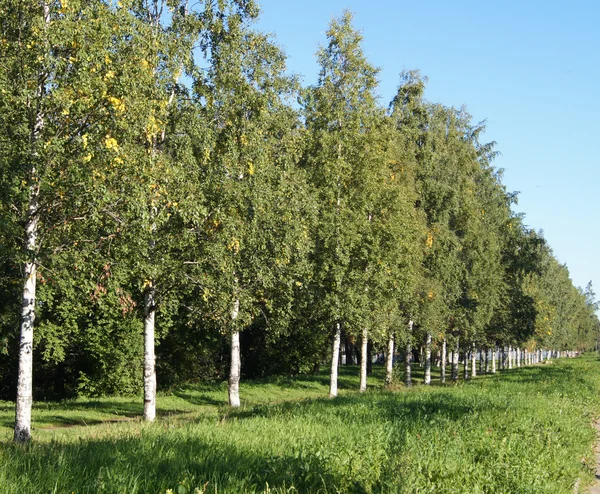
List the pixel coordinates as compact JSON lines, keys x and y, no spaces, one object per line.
{"x":154,"y":461}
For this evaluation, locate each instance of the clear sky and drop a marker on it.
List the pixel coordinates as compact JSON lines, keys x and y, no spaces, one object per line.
{"x":530,"y":68}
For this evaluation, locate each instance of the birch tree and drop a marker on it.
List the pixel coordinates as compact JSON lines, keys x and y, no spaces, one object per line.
{"x":60,"y":104}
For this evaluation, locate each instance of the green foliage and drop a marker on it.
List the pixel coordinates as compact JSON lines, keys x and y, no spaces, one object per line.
{"x":167,"y":153}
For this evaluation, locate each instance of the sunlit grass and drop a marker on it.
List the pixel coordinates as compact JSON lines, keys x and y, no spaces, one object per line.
{"x":527,"y":430}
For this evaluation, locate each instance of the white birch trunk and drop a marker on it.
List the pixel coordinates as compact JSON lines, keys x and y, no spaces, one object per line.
{"x":149,"y":357}
{"x":455,"y":357}
{"x":510,"y":362}
{"x":466,"y":365}
{"x":474,"y":362}
{"x":494,"y":350}
{"x":487,"y":361}
{"x":335,"y":355}
{"x":22,"y":432}
{"x":24,"y":398}
{"x":408,"y":368}
{"x":363,"y":360}
{"x":443,"y":363}
{"x":389,"y":361}
{"x":427,"y":378}
{"x":235,"y":366}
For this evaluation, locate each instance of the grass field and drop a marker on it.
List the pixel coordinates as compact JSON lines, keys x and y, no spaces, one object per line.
{"x":527,"y":430}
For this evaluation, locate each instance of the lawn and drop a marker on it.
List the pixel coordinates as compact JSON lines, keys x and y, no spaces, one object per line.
{"x":526,"y":430}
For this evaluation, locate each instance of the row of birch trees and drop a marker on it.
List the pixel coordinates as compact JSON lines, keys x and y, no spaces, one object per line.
{"x":171,"y":195}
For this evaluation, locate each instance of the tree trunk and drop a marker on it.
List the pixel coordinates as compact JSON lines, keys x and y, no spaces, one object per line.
{"x":474,"y":361}
{"x":465,"y":365}
{"x":455,"y":362}
{"x":363,"y":360}
{"x":149,"y":357}
{"x":494,"y":350}
{"x":510,"y":362}
{"x":389,"y":361}
{"x":443,"y":363}
{"x":235,"y":366}
{"x":427,"y":379}
{"x":408,"y":361}
{"x":481,"y":361}
{"x":24,"y":398}
{"x":487,"y":360}
{"x":333,"y":379}
{"x":348,"y":350}
{"x":22,"y":432}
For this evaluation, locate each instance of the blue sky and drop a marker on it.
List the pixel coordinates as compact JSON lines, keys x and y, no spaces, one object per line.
{"x":530,"y":68}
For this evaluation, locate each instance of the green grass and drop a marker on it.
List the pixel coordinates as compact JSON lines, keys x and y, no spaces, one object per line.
{"x":527,"y":431}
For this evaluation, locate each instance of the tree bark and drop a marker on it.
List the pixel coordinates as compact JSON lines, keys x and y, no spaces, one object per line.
{"x":348,"y":351}
{"x":443,"y":362}
{"x":487,"y":360}
{"x":474,"y":362}
{"x":494,"y":351}
{"x":465,"y":365}
{"x":24,"y":398}
{"x":427,"y":379}
{"x":408,"y":362}
{"x":149,"y":357}
{"x":363,"y":360}
{"x":510,"y":362}
{"x":333,"y":378}
{"x":22,"y":432}
{"x":389,"y":361}
{"x":235,"y":366}
{"x":455,"y":362}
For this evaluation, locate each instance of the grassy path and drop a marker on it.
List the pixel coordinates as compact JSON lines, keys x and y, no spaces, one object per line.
{"x":527,"y":431}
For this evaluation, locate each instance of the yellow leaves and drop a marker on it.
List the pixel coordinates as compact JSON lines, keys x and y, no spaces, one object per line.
{"x":250,"y":168}
{"x":87,"y":158}
{"x":107,"y":60}
{"x":205,"y":294}
{"x":84,"y":140}
{"x":298,"y":283}
{"x":64,"y":6}
{"x":116,"y":103}
{"x":147,"y":284}
{"x":234,"y":246}
{"x":243,"y":140}
{"x":392,"y":177}
{"x":153,"y":128}
{"x":118,"y":161}
{"x":429,"y":240}
{"x":110,"y":74}
{"x":110,"y":143}
{"x":206,"y":155}
{"x":212,"y":225}
{"x":430,"y":294}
